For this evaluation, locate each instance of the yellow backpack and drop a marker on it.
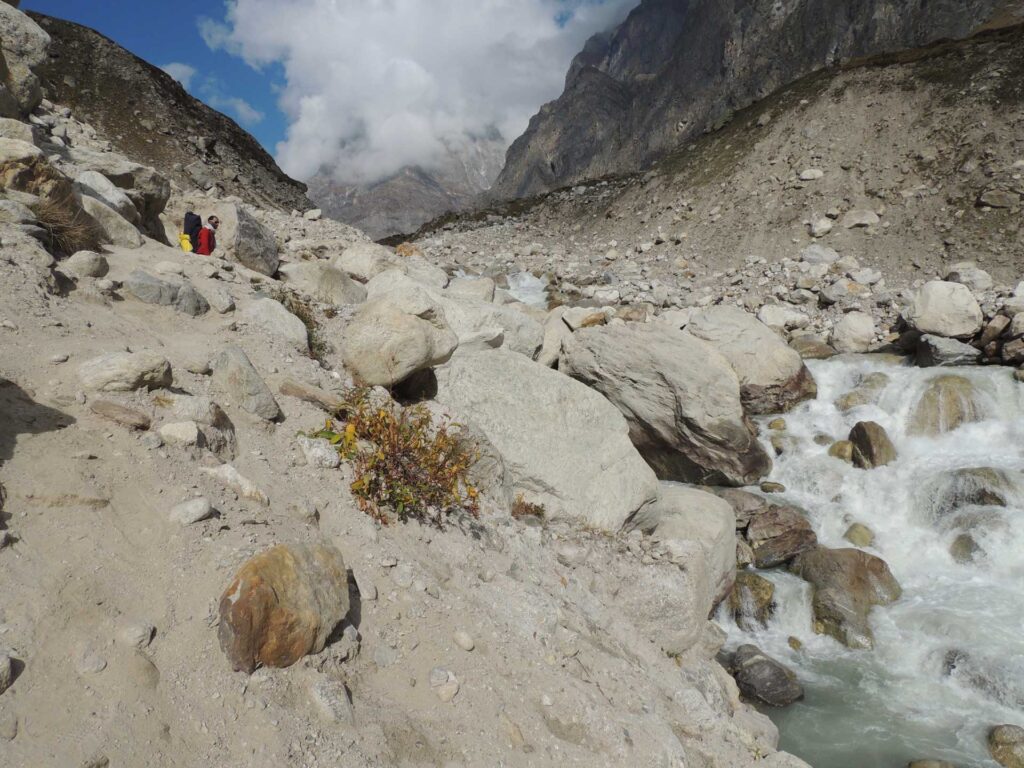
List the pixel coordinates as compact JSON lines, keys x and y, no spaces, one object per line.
{"x":186,"y":242}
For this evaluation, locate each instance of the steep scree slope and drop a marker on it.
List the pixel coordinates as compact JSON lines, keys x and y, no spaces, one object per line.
{"x":675,"y":68}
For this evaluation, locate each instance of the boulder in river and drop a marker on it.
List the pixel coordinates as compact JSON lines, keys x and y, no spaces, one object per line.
{"x":680,"y":397}
{"x":933,"y":351}
{"x":1006,"y":745}
{"x":752,"y":601}
{"x":762,"y":678}
{"x":847,"y":583}
{"x":948,"y":402}
{"x":772,"y":375}
{"x":779,"y":534}
{"x":869,"y":388}
{"x":871,"y":445}
{"x":282,"y":605}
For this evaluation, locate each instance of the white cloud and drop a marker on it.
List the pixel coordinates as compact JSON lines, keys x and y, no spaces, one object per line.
{"x":245,"y":112}
{"x":183,"y":73}
{"x":374,"y":86}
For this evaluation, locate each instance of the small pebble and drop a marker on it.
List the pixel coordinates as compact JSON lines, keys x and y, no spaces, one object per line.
{"x":464,"y":640}
{"x":57,"y":359}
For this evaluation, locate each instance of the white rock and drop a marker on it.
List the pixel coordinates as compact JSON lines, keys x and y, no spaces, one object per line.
{"x":231,"y":478}
{"x":854,"y":332}
{"x":319,"y":453}
{"x":945,"y":309}
{"x":811,"y":174}
{"x":125,"y":371}
{"x":860,"y":218}
{"x":323,"y":282}
{"x":819,"y":254}
{"x":180,"y":433}
{"x":135,"y":634}
{"x":477,"y":288}
{"x":115,"y":228}
{"x":95,"y":184}
{"x":364,"y":261}
{"x":6,"y":672}
{"x":314,"y":214}
{"x":820,"y":226}
{"x":779,"y":317}
{"x":271,"y":316}
{"x":464,"y":640}
{"x":193,"y":511}
{"x":85,"y":264}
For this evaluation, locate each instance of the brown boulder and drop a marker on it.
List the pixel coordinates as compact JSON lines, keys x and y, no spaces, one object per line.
{"x":847,"y":583}
{"x":947,"y":403}
{"x":778,"y":535}
{"x":752,"y":601}
{"x":871,"y":445}
{"x":1006,"y":745}
{"x":282,"y":605}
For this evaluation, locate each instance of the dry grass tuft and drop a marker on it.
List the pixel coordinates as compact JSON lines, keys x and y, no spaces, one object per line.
{"x":522,"y":508}
{"x":69,"y":229}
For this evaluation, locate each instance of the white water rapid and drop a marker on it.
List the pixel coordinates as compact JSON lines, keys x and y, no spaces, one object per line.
{"x":528,"y":289}
{"x":948,"y":661}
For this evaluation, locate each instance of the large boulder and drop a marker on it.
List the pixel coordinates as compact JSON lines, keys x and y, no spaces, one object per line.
{"x":95,"y":184}
{"x":772,"y":375}
{"x":762,"y":678}
{"x":235,"y":374}
{"x":322,"y":282}
{"x":115,"y":229}
{"x":680,"y":398}
{"x":23,"y":46}
{"x":933,"y":351}
{"x":125,"y":371}
{"x":148,"y":189}
{"x":364,"y":261}
{"x":245,"y":240}
{"x":564,"y":445}
{"x":283,"y":605}
{"x":387,"y":342}
{"x":179,"y":294}
{"x":683,"y":515}
{"x":271,"y":316}
{"x":847,"y":583}
{"x":944,"y":309}
{"x":752,"y":601}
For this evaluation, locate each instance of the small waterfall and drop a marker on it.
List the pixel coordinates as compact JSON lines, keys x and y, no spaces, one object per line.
{"x":948,"y":518}
{"x":528,"y":289}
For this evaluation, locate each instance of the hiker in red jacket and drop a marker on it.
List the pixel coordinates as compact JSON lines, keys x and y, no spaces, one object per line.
{"x":208,"y":237}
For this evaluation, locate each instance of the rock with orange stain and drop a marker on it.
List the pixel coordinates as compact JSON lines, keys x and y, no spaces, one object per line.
{"x":282,"y":605}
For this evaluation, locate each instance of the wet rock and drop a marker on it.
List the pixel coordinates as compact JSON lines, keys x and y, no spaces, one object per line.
{"x":859,"y":535}
{"x":965,"y":549}
{"x":933,"y":351}
{"x":944,"y":309}
{"x":125,"y":371}
{"x":842,"y":450}
{"x":871,"y":445}
{"x":235,"y":374}
{"x":773,"y":377}
{"x":762,"y":678}
{"x":867,"y":391}
{"x":119,"y":414}
{"x":282,"y":605}
{"x":847,"y":583}
{"x":1006,"y":745}
{"x":752,"y":601}
{"x":681,"y":398}
{"x":778,"y":535}
{"x":947,"y":403}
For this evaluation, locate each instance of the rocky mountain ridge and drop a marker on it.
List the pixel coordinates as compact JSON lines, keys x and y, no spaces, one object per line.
{"x":145,"y":114}
{"x":676,"y":68}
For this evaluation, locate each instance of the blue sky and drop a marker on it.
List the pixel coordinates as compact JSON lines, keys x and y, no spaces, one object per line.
{"x":358,"y":88}
{"x":163,"y":32}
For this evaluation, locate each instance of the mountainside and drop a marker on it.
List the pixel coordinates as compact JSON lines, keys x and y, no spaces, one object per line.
{"x":405,"y":200}
{"x":676,"y":68}
{"x":144,"y":113}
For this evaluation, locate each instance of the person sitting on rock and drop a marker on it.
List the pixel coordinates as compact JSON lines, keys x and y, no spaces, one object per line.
{"x":208,"y":237}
